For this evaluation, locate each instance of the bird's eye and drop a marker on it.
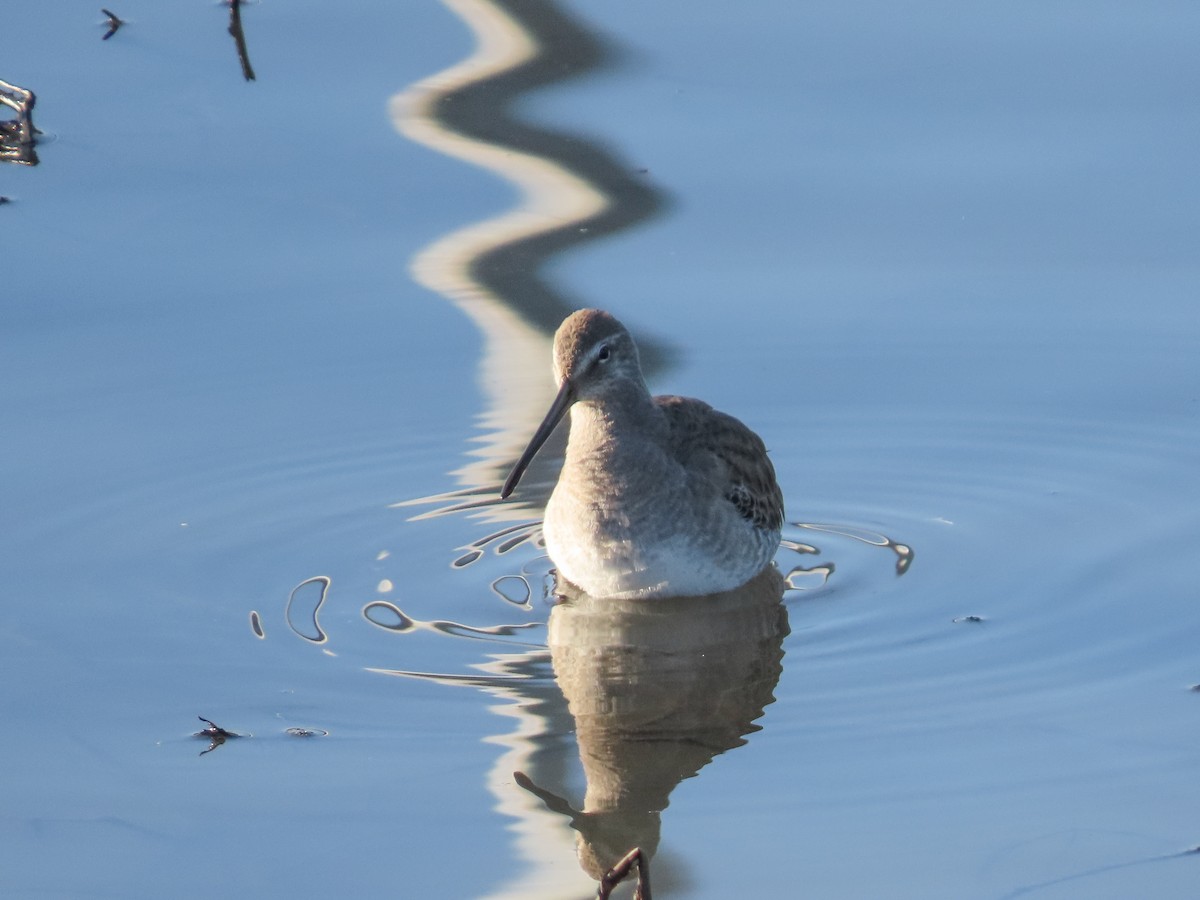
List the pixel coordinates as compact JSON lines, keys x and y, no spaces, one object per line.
{"x":604,"y":353}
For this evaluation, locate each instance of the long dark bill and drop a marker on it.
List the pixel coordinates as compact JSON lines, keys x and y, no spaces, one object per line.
{"x":558,"y":409}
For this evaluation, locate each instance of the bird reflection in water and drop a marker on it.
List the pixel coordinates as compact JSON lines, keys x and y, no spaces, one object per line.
{"x":657,"y":690}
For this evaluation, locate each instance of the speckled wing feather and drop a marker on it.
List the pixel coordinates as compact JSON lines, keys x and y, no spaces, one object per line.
{"x":750,"y":477}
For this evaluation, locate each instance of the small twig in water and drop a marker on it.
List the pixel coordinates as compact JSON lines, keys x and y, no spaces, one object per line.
{"x":214,"y":730}
{"x":215,"y":733}
{"x":114,"y":23}
{"x":239,"y":38}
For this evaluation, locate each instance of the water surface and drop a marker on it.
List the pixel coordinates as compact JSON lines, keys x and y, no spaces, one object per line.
{"x":941,"y":259}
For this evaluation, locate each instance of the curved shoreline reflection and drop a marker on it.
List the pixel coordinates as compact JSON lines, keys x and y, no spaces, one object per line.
{"x":657,"y":692}
{"x":573,"y":191}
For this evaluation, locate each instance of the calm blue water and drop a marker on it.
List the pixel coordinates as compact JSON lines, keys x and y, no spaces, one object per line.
{"x":941,"y":258}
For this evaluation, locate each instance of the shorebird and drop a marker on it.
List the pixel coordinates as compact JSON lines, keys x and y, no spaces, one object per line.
{"x":658,"y":496}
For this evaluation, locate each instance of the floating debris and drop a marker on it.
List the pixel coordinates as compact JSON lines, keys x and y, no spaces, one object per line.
{"x":215,"y":734}
{"x":18,"y":137}
{"x":967,"y":619}
{"x":239,"y":38}
{"x":212,"y":729}
{"x":114,"y":23}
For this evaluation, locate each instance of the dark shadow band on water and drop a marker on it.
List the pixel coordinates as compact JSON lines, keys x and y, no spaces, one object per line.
{"x":564,"y":49}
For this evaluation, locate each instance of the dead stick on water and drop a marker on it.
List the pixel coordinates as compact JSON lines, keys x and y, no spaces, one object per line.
{"x":239,"y":38}
{"x":620,"y":872}
{"x":114,"y":22}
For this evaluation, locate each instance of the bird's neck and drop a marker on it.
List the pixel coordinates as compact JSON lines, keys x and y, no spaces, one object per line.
{"x":615,"y":422}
